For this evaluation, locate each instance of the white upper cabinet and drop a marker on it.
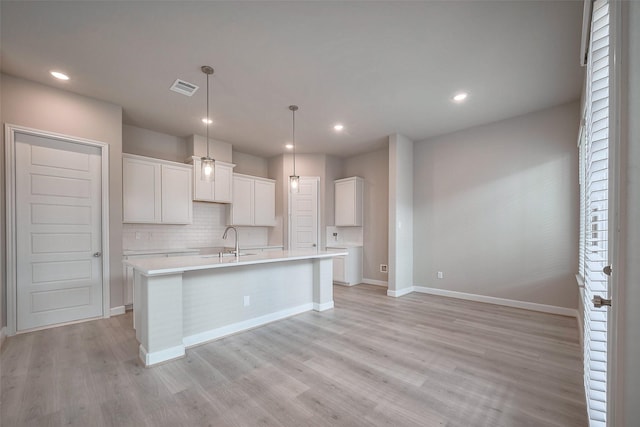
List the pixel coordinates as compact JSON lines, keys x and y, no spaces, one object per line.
{"x":242,"y":207}
{"x":348,"y":201}
{"x":254,"y":201}
{"x":140,"y":189}
{"x":176,"y":194}
{"x":219,"y":190}
{"x":264,"y":200}
{"x":155,"y":191}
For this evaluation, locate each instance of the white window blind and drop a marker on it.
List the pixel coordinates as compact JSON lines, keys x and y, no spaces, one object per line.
{"x":594,"y":218}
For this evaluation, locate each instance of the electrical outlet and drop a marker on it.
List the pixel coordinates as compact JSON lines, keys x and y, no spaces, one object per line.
{"x":247,"y":300}
{"x":138,"y":235}
{"x":383,"y":268}
{"x":440,"y":275}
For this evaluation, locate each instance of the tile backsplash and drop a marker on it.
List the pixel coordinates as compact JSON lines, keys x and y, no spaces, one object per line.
{"x":345,"y":235}
{"x":209,"y":222}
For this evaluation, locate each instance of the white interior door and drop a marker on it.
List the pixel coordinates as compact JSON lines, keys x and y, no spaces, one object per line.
{"x":597,"y":243}
{"x":58,"y":231}
{"x":303,"y":232}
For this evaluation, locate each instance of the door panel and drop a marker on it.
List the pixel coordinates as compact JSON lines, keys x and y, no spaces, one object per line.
{"x":304,"y":215}
{"x":58,"y":231}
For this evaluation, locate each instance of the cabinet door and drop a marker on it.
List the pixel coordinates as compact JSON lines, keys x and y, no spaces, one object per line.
{"x":176,"y":195}
{"x":202,"y":190}
{"x":339,"y":273}
{"x":141,"y":191}
{"x":242,"y":208}
{"x":264,"y":203}
{"x":223,"y":184}
{"x":348,"y":202}
{"x":345,"y":209}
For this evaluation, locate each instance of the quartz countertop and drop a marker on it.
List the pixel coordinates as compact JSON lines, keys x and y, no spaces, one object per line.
{"x":209,"y":250}
{"x":129,"y":252}
{"x":170,"y":265}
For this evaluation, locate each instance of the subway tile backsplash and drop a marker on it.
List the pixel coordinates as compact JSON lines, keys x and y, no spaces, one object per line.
{"x":209,"y":222}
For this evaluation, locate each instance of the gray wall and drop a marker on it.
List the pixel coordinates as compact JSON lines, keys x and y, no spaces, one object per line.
{"x":249,"y":164}
{"x":145,"y":142}
{"x":33,"y":105}
{"x":374,"y":168}
{"x":401,"y":213}
{"x":627,"y":296}
{"x":496,"y":209}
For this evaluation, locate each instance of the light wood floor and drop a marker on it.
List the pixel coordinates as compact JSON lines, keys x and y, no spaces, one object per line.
{"x":418,"y":360}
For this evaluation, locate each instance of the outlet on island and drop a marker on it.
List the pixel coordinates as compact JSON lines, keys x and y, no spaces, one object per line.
{"x":247,"y":300}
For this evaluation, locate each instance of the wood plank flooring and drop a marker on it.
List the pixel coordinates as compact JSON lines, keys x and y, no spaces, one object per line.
{"x":419,"y":360}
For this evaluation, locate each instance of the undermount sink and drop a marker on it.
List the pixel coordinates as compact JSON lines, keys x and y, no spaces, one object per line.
{"x":225,"y":255}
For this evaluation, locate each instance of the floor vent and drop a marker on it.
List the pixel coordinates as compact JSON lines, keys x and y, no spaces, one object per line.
{"x":183,"y":87}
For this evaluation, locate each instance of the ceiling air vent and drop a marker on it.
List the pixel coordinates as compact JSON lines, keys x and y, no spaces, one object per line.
{"x":183,"y":87}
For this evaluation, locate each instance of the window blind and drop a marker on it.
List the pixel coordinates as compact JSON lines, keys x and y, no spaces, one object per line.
{"x":594,"y":218}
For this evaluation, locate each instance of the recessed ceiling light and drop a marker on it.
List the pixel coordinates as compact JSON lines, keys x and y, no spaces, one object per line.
{"x":288,"y":146}
{"x":206,"y":121}
{"x":461,"y":96}
{"x":58,"y":75}
{"x":338,"y":127}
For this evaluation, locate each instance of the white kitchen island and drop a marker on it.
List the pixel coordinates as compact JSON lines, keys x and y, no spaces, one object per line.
{"x":184,"y":301}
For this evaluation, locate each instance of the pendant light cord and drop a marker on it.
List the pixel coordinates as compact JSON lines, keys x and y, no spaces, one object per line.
{"x":294,"y":141}
{"x":207,"y":121}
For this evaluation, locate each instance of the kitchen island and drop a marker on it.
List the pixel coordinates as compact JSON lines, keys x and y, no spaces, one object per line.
{"x":185,"y":301}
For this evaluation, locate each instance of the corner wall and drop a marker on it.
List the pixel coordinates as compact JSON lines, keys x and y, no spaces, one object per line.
{"x":41,"y":107}
{"x":496,"y":209}
{"x":401,"y":215}
{"x":626,"y":337}
{"x":374,"y":168}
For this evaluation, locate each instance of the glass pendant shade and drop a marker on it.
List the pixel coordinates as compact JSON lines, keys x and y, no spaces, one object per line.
{"x":207,"y":163}
{"x":294,"y":181}
{"x":206,"y":169}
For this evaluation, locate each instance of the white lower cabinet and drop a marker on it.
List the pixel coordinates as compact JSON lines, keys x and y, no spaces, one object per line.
{"x":347,"y":269}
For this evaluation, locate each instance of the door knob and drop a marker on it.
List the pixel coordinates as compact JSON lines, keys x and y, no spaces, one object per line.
{"x":598,"y":301}
{"x":607,"y":270}
{"x":97,"y":254}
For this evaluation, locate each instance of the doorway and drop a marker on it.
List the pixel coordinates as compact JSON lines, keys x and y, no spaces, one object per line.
{"x":304,"y":227}
{"x":57,"y":204}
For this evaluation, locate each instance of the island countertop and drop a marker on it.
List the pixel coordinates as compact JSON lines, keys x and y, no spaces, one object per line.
{"x":184,"y":301}
{"x":171,"y":265}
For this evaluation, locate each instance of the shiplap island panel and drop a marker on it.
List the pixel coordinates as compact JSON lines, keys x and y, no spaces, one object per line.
{"x":185,"y":301}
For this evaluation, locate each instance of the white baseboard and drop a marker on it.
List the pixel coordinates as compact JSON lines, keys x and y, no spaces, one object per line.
{"x":3,"y":335}
{"x":213,"y":334}
{"x":323,"y":307}
{"x":544,"y":308}
{"x":116,"y":311}
{"x":160,"y":356}
{"x":375,"y":282}
{"x":401,"y":292}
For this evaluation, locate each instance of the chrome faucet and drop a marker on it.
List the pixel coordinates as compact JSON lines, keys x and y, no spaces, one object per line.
{"x":224,"y":236}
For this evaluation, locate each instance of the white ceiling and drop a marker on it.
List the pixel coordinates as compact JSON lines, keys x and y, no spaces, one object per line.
{"x":378,"y":67}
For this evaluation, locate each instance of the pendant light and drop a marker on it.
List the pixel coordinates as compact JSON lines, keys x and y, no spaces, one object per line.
{"x":294,"y":179}
{"x":207,"y":165}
